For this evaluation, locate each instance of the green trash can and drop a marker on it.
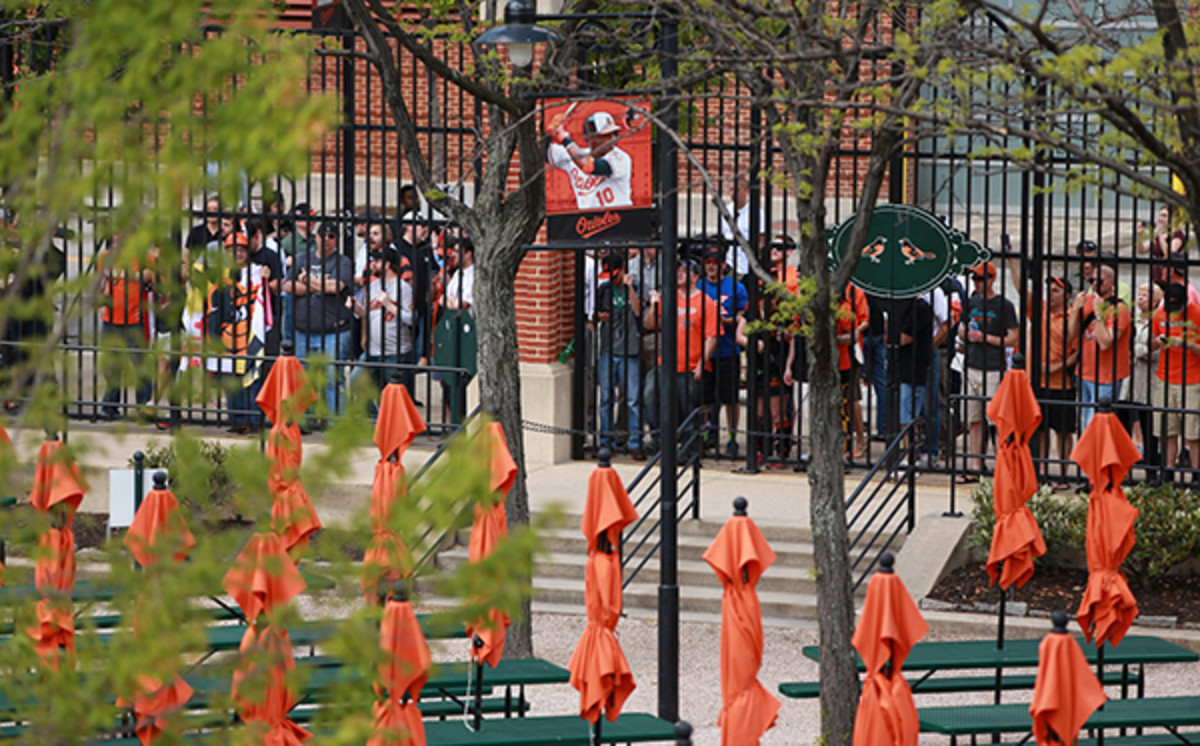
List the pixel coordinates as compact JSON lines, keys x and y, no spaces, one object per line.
{"x":454,"y":346}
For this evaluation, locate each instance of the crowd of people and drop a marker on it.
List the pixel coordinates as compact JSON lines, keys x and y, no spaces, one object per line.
{"x":365,"y":289}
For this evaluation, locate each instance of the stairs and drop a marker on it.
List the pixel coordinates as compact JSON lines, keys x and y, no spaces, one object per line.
{"x":787,"y":591}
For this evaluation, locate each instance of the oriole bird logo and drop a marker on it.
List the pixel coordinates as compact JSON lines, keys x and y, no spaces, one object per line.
{"x":875,"y":250}
{"x":912,"y":254}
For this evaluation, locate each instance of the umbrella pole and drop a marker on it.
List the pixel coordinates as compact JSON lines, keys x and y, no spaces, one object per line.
{"x":478,"y":714}
{"x":596,"y":731}
{"x":1003,"y":611}
{"x":1100,"y":677}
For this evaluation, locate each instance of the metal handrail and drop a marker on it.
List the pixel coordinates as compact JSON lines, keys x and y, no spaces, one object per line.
{"x":691,"y":446}
{"x":872,"y":519}
{"x":431,"y":547}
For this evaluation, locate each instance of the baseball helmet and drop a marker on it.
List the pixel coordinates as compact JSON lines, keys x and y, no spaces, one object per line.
{"x":600,"y":123}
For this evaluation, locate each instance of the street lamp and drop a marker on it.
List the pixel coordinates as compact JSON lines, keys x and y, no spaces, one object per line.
{"x":519,"y":33}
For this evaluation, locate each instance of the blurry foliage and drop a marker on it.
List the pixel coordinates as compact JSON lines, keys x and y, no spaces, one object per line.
{"x":1167,"y":528}
{"x":116,"y":126}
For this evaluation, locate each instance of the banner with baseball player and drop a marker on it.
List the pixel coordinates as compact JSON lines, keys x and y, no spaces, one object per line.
{"x":599,"y":172}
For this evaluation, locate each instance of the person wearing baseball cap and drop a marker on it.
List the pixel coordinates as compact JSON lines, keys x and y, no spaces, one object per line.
{"x":1055,"y":354}
{"x":1177,"y":379}
{"x":989,"y":328}
{"x":1105,"y":322}
{"x":721,"y":383}
{"x":601,"y":173}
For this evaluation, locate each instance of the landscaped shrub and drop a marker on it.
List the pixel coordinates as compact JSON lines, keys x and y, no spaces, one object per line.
{"x":206,"y":488}
{"x":1168,"y":528}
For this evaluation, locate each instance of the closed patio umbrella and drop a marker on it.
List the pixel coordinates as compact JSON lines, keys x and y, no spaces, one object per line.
{"x":739,"y":555}
{"x":1105,"y":452}
{"x":488,"y":529}
{"x":598,"y":666}
{"x":1016,"y":539}
{"x":1066,"y":692}
{"x":58,"y":489}
{"x":397,"y":425}
{"x":158,"y":533}
{"x":401,"y":676}
{"x":888,"y":627}
{"x":285,"y":395}
{"x":263,"y":578}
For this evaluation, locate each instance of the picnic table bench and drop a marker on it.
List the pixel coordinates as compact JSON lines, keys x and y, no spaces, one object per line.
{"x":1170,"y":713}
{"x":929,"y":684}
{"x":552,"y":730}
{"x":1134,"y":651}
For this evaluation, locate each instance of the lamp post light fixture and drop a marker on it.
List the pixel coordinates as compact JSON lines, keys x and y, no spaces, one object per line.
{"x":519,"y":33}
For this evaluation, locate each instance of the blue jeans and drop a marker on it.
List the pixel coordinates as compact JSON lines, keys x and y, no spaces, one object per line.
{"x":627,"y":371}
{"x":239,"y":403}
{"x":127,"y":345}
{"x":289,"y":309}
{"x":335,"y":346}
{"x":911,"y":402}
{"x":929,"y":402}
{"x":1090,"y":393}
{"x":875,"y":360}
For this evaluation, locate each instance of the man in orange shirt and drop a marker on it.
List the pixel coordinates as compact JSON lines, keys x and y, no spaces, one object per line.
{"x":1104,"y":322}
{"x":1175,"y":329}
{"x":698,"y":327}
{"x":123,"y":329}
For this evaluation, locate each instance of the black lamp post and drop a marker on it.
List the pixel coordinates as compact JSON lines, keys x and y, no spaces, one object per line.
{"x":519,"y":33}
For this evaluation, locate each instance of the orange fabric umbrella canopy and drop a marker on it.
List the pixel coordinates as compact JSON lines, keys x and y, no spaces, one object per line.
{"x":1105,"y":452}
{"x":1066,"y":692}
{"x":398,"y":423}
{"x":58,"y":489}
{"x":158,"y":531}
{"x":263,"y":578}
{"x":489,"y":528}
{"x":285,"y":395}
{"x":401,"y":677}
{"x":739,"y":555}
{"x":1016,"y":539}
{"x":599,"y":670}
{"x":888,"y":627}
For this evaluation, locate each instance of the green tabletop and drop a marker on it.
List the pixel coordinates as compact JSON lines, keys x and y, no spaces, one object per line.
{"x":229,"y":636}
{"x":84,"y":590}
{"x":1161,"y":712}
{"x":958,"y":654}
{"x":543,"y":731}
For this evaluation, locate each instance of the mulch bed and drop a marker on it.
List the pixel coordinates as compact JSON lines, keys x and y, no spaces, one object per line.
{"x":1054,"y":589}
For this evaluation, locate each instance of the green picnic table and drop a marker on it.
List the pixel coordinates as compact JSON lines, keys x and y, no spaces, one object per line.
{"x":556,"y":730}
{"x":1170,"y":713}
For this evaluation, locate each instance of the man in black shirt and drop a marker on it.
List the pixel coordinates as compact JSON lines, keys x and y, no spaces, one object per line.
{"x":208,"y":231}
{"x":321,"y":281}
{"x":989,"y":327}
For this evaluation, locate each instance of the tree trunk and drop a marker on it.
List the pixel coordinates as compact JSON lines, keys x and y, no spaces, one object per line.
{"x":827,"y":513}
{"x":500,"y":392}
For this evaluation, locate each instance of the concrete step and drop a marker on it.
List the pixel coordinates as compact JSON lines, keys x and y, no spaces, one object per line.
{"x":795,"y":606}
{"x":690,"y":546}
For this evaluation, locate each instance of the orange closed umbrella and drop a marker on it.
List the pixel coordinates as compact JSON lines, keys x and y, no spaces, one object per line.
{"x":598,"y":667}
{"x":1066,"y":692}
{"x":1105,"y":452}
{"x":398,"y":424}
{"x":1016,"y":539}
{"x":401,"y":676}
{"x":488,"y":529}
{"x":740,"y":555}
{"x":888,"y":627}
{"x":158,"y":532}
{"x":58,"y":489}
{"x":158,"y":529}
{"x":263,"y":578}
{"x":285,"y":395}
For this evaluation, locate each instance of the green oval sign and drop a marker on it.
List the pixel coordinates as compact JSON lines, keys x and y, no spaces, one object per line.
{"x":908,"y":252}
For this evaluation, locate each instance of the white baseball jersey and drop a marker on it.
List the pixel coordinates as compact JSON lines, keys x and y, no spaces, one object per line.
{"x":592,"y":191}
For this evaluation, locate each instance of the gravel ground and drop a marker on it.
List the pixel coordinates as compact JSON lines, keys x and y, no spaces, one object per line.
{"x":699,"y":674}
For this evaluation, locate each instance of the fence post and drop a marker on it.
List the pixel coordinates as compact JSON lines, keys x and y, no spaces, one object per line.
{"x":139,"y":478}
{"x":683,"y":733}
